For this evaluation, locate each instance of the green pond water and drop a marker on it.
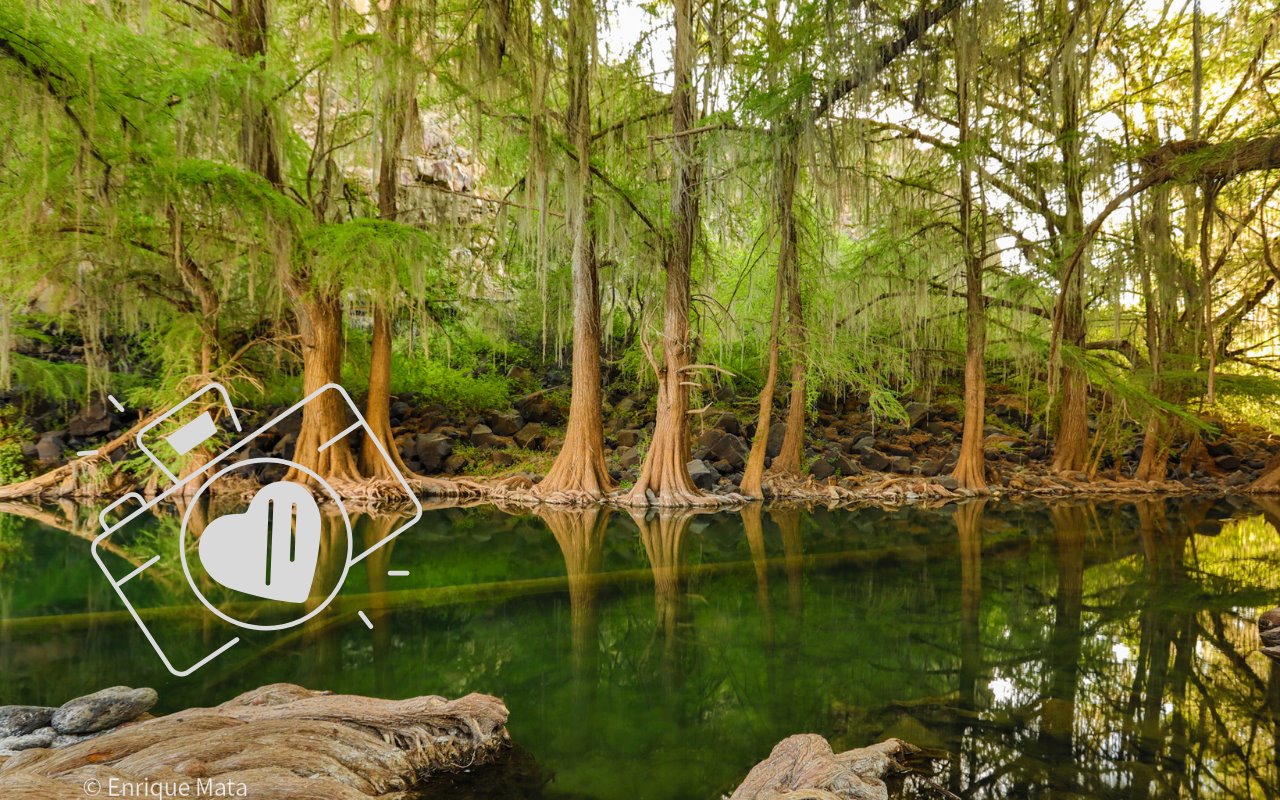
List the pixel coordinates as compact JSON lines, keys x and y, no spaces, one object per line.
{"x":1100,"y":649}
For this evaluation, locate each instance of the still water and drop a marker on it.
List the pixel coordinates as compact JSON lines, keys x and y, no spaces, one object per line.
{"x":1071,"y":650}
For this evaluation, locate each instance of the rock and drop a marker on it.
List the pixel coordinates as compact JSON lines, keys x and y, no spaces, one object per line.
{"x":21,"y":720}
{"x":822,"y":469}
{"x":1222,"y":447}
{"x":104,"y":709}
{"x":916,"y":413}
{"x":717,"y":445}
{"x":1269,"y":619}
{"x":400,"y":411}
{"x":530,"y":436}
{"x":454,"y":464}
{"x":864,"y":444}
{"x":501,"y":458}
{"x":432,"y":449}
{"x":537,"y":407}
{"x":49,"y":448}
{"x":900,"y":464}
{"x":627,"y":457}
{"x":874,"y":460}
{"x":91,"y":421}
{"x":519,"y":374}
{"x":895,"y":449}
{"x":704,"y":477}
{"x":947,"y":482}
{"x":846,"y":466}
{"x":729,"y":423}
{"x":483,"y":436}
{"x":504,"y":423}
{"x":774,"y":445}
{"x":1238,"y":478}
{"x":1228,"y":462}
{"x":42,"y":737}
{"x":1270,"y":637}
{"x":628,"y":438}
{"x":930,"y":467}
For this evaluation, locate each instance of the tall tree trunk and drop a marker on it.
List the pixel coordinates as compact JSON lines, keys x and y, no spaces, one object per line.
{"x":790,"y":457}
{"x":664,"y":480}
{"x":395,"y":107}
{"x":319,"y":313}
{"x":1071,"y":450}
{"x":970,"y":469}
{"x":579,"y":470}
{"x":785,"y":173}
{"x":1162,"y":321}
{"x":320,"y":321}
{"x":1206,"y":287}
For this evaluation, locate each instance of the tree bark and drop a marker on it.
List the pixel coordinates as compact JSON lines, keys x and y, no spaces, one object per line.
{"x":1071,"y":449}
{"x":970,"y":469}
{"x":664,"y":480}
{"x":785,"y":174}
{"x":320,"y":320}
{"x":377,"y":410}
{"x":579,"y":471}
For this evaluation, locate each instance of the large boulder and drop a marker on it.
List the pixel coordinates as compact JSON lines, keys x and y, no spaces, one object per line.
{"x":49,"y":448}
{"x":916,"y":413}
{"x":103,"y":709}
{"x":432,"y":450}
{"x":729,"y":423}
{"x":530,"y":436}
{"x":716,"y":445}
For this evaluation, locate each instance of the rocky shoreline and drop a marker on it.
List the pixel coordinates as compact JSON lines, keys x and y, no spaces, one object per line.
{"x":850,"y":455}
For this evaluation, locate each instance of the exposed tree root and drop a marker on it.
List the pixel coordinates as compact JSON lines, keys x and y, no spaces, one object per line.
{"x":77,"y":478}
{"x":281,"y":741}
{"x":804,"y":766}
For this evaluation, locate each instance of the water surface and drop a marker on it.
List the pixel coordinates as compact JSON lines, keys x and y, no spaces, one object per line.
{"x":1072,"y":650}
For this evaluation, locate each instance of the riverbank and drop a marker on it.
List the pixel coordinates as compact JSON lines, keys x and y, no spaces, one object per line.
{"x":499,"y":455}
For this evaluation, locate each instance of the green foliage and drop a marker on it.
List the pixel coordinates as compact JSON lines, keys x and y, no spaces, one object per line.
{"x":13,"y":434}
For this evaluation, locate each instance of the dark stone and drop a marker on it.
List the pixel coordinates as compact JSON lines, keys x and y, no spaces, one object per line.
{"x":400,"y":411}
{"x":1038,"y":452}
{"x":103,"y":709}
{"x":716,"y":445}
{"x":947,"y":482}
{"x":900,"y":464}
{"x":21,"y":720}
{"x":627,"y":457}
{"x":1237,"y":478}
{"x":916,"y":413}
{"x":501,"y":458}
{"x":723,"y":467}
{"x":49,"y":448}
{"x":895,"y":449}
{"x":530,"y":436}
{"x":1270,"y":637}
{"x":432,"y":449}
{"x":774,"y":445}
{"x":454,"y":464}
{"x":1228,"y":463}
{"x":704,"y":477}
{"x":846,"y":466}
{"x":822,"y":469}
{"x":1222,"y":447}
{"x":482,"y":436}
{"x":864,"y":444}
{"x":628,"y":438}
{"x":504,"y":423}
{"x":930,"y":467}
{"x":538,"y":408}
{"x":729,"y":423}
{"x":874,"y":460}
{"x":92,"y":421}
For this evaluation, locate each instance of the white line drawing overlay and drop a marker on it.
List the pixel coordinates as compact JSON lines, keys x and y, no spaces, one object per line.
{"x":278,"y":560}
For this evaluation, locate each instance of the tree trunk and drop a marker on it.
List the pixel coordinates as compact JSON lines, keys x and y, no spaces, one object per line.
{"x":579,"y":471}
{"x":790,"y":457}
{"x":257,"y":127}
{"x":392,"y":125}
{"x":1071,"y":449}
{"x":664,"y":479}
{"x":320,"y":319}
{"x":377,"y":411}
{"x":785,"y":172}
{"x":970,"y":469}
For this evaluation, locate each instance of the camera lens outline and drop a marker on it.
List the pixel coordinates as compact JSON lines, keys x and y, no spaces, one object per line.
{"x":186,"y":569}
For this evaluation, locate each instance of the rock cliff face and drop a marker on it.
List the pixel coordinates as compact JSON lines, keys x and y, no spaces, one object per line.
{"x":279,"y":741}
